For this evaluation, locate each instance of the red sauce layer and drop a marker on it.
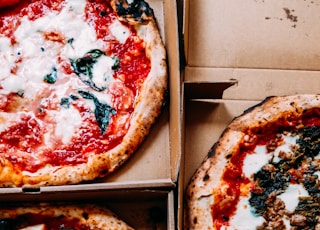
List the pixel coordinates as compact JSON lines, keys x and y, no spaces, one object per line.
{"x":28,"y":134}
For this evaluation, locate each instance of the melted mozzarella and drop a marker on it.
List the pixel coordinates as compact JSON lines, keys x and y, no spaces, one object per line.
{"x":291,"y":196}
{"x":254,"y":162}
{"x":14,"y":83}
{"x":6,"y":57}
{"x":102,"y":71}
{"x":67,"y":122}
{"x":119,"y":31}
{"x":244,"y":217}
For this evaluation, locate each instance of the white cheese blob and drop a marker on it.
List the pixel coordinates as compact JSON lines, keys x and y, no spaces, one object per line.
{"x":14,"y":83}
{"x":291,"y":196}
{"x":120,"y":32}
{"x":102,"y":73}
{"x":67,"y":122}
{"x":244,"y":217}
{"x":7,"y":57}
{"x":254,"y":162}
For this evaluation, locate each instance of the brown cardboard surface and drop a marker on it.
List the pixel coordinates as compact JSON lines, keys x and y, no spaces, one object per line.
{"x":255,"y":84}
{"x":141,"y":209}
{"x":277,"y":34}
{"x":156,"y":163}
{"x":205,"y":121}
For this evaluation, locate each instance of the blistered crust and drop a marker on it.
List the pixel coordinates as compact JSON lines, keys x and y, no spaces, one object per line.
{"x":92,"y":216}
{"x":147,"y":108}
{"x":136,"y":12}
{"x":199,"y":192}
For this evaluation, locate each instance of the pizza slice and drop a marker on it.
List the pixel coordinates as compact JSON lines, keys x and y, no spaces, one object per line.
{"x":63,"y":217}
{"x":263,"y":173}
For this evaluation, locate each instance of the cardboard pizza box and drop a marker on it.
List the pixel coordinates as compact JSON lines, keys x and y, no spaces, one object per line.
{"x":149,"y":177}
{"x":236,"y":54}
{"x":156,"y":163}
{"x":141,"y":209}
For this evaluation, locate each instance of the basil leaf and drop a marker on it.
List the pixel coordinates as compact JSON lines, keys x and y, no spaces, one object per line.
{"x":51,"y":77}
{"x":102,"y":112}
{"x":65,"y":102}
{"x":116,"y":64}
{"x":83,"y":67}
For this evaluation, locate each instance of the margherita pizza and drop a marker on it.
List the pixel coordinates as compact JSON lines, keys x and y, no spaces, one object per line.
{"x":81,"y":83}
{"x":64,"y":217}
{"x":263,"y":173}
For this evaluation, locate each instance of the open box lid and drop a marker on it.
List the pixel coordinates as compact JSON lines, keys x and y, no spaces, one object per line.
{"x":156,"y":163}
{"x":252,"y":43}
{"x":277,"y":34}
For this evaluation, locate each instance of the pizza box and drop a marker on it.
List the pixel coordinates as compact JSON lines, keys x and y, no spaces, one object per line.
{"x":155,"y":164}
{"x":141,"y":209}
{"x":235,"y":55}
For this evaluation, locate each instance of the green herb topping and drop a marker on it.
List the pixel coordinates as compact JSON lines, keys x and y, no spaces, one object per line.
{"x":83,"y":67}
{"x":51,"y":77}
{"x":102,"y":111}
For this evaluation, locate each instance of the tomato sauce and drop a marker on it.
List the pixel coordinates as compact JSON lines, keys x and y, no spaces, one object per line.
{"x":134,"y":66}
{"x":225,"y":202}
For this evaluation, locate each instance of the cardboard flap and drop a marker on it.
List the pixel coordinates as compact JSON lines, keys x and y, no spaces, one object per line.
{"x":206,"y":90}
{"x":277,"y":34}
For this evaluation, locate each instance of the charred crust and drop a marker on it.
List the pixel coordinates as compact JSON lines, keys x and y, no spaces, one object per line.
{"x":104,"y":172}
{"x":210,"y":154}
{"x":259,"y":104}
{"x":85,"y":215}
{"x":206,"y":177}
{"x":138,"y":10}
{"x":195,"y":220}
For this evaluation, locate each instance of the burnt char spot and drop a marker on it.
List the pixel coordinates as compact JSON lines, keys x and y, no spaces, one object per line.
{"x":257,"y":105}
{"x":210,"y":154}
{"x":195,"y":220}
{"x":137,"y":9}
{"x":206,"y":177}
{"x":104,"y":172}
{"x":85,"y":215}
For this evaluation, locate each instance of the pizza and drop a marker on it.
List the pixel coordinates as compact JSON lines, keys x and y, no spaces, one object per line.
{"x":63,"y":217}
{"x":263,"y":172}
{"x":82,"y":82}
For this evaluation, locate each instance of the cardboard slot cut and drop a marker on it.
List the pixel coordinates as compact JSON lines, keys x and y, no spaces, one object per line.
{"x":206,"y":90}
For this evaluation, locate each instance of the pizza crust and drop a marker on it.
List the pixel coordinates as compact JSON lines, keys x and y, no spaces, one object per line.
{"x":148,"y":106}
{"x":199,"y":192}
{"x":95,"y":217}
